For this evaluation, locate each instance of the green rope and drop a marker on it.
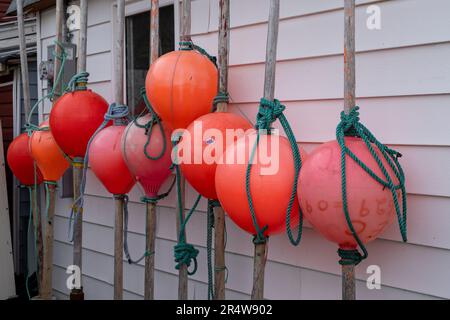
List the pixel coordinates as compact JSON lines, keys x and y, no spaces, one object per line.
{"x":184,"y":253}
{"x":350,"y":126}
{"x":221,"y":97}
{"x":149,"y":128}
{"x":269,"y":112}
{"x":78,"y":82}
{"x":189,"y":45}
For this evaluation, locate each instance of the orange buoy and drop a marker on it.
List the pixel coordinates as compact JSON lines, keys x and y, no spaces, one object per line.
{"x":181,"y":86}
{"x":74,"y":119}
{"x":208,"y":137}
{"x":370,"y":205}
{"x":107,"y":163}
{"x":271,"y":180}
{"x":20,"y":161}
{"x":49,"y":158}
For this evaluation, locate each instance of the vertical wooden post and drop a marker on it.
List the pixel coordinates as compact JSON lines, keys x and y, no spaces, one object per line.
{"x":219,"y":213}
{"x":77,"y":293}
{"x":119,"y":200}
{"x":185,"y":35}
{"x":48,"y":256}
{"x":118,"y":247}
{"x":269,"y":92}
{"x":348,"y":271}
{"x":149,"y":285}
{"x":39,"y":239}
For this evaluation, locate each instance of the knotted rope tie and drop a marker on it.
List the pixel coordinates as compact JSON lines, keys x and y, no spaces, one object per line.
{"x":78,"y":82}
{"x":350,"y":126}
{"x":222,"y":97}
{"x":268,"y":113}
{"x":154,"y":120}
{"x":349,"y":257}
{"x":189,"y":45}
{"x":184,"y":253}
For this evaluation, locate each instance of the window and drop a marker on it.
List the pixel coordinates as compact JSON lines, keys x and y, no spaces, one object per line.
{"x":138,"y":51}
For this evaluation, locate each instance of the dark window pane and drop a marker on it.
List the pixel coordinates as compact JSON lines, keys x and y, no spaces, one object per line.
{"x":138,"y":51}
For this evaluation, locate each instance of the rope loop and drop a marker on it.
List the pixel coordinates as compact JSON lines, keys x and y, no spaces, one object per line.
{"x":350,"y":126}
{"x":221,"y":97}
{"x":268,"y":113}
{"x":349,"y":257}
{"x":184,"y":254}
{"x":189,"y":45}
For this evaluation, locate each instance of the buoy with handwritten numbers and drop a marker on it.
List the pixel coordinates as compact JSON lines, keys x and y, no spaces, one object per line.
{"x":370,"y":205}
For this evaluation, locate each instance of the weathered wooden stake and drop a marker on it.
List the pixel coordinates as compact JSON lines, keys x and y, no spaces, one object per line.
{"x":219,"y":213}
{"x":27,"y":108}
{"x":77,"y":293}
{"x":269,"y":93}
{"x":185,"y":35}
{"x":348,"y":271}
{"x":48,"y":255}
{"x":119,"y":200}
{"x":149,"y":285}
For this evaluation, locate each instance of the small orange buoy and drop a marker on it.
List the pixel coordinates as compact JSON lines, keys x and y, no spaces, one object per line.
{"x":208,"y":138}
{"x":370,"y":205}
{"x":105,"y":158}
{"x":271,"y":180}
{"x":181,"y":86}
{"x":49,"y":158}
{"x":20,"y":161}
{"x":74,"y":119}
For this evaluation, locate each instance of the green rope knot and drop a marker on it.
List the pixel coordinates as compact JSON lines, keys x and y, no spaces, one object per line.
{"x":30,"y":128}
{"x":184,"y":254}
{"x":349,"y":257}
{"x":189,"y":45}
{"x":268,"y":113}
{"x":351,"y":126}
{"x":221,"y":97}
{"x":78,"y":82}
{"x":259,"y":237}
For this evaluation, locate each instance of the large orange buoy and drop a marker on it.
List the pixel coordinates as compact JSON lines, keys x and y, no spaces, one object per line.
{"x":106,"y":161}
{"x":49,"y":158}
{"x":74,"y":119}
{"x":147,"y":154}
{"x":181,"y":86}
{"x":20,"y":161}
{"x":370,"y":205}
{"x":271,"y":180}
{"x":208,"y":137}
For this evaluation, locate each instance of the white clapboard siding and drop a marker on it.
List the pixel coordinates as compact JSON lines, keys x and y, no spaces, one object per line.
{"x":403,"y":89}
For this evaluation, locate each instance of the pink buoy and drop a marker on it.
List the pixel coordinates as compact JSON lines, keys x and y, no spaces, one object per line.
{"x":107,"y":163}
{"x":149,"y":173}
{"x":370,"y":205}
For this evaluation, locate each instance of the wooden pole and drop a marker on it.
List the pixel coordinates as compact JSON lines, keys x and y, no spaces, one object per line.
{"x":118,"y":247}
{"x":149,"y":285}
{"x":48,"y":256}
{"x":185,"y":35}
{"x":119,"y":200}
{"x":77,"y":293}
{"x":269,"y":93}
{"x":348,"y":271}
{"x":219,"y":213}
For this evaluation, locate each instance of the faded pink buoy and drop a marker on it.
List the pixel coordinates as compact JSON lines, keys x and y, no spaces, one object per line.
{"x":149,"y":173}
{"x":371,"y":207}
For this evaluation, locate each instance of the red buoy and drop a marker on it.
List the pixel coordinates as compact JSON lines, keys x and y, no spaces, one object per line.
{"x":149,"y":173}
{"x":49,"y":158}
{"x":208,"y":137}
{"x":271,"y":180}
{"x":370,"y":205}
{"x":106,"y":161}
{"x":181,"y":86}
{"x":20,"y":161}
{"x":74,"y":119}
